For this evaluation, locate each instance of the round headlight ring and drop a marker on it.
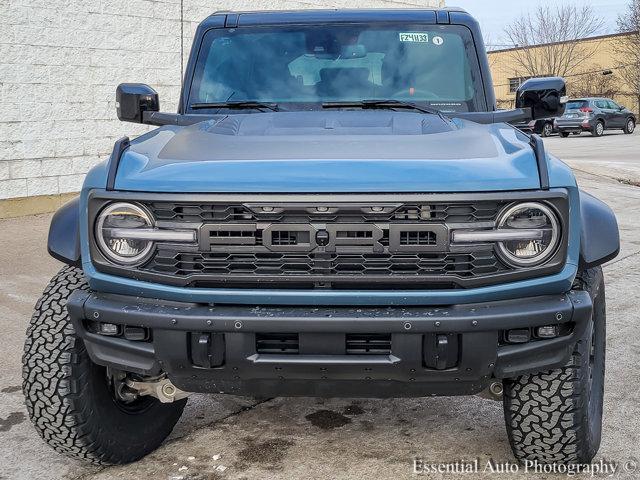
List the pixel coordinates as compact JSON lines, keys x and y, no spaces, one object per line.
{"x":106,"y":250}
{"x":536,"y":260}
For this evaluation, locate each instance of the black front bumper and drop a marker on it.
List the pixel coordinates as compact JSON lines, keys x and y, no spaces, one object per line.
{"x":431,"y":351}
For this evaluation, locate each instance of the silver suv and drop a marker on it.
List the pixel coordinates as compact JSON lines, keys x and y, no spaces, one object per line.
{"x":594,"y":115}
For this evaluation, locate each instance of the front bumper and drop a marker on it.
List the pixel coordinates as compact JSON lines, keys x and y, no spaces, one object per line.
{"x":432,"y":351}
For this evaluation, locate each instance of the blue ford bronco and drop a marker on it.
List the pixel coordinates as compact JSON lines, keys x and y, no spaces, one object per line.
{"x":337,"y":209}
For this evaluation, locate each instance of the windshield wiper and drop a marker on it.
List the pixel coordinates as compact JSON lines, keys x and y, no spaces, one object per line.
{"x":385,"y":103}
{"x":239,"y":105}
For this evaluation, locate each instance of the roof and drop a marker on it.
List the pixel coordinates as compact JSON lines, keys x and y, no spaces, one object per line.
{"x":585,"y":39}
{"x":434,"y":15}
{"x":586,"y":99}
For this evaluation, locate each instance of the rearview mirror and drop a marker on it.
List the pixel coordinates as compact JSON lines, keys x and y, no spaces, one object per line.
{"x":132,"y":99}
{"x":353,"y":51}
{"x":545,"y":96}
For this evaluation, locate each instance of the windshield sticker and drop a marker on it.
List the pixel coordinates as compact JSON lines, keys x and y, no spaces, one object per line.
{"x":437,"y":40}
{"x":414,"y":37}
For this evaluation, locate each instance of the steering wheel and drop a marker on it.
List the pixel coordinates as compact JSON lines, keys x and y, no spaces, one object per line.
{"x":419,"y":93}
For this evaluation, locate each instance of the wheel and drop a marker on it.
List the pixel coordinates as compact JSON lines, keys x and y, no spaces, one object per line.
{"x":547,"y":129}
{"x":576,"y":133}
{"x":630,"y":126}
{"x":564,"y":134}
{"x":70,"y":399}
{"x":556,"y":416}
{"x":598,"y":129}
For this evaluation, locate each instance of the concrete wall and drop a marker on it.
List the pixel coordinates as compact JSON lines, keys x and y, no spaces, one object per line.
{"x":60,"y":61}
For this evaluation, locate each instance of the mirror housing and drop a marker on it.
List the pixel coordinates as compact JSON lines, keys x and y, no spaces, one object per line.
{"x":545,"y":96}
{"x":133,"y":99}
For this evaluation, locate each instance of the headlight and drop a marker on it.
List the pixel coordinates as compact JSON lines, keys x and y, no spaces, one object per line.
{"x":116,"y":233}
{"x":536,"y":221}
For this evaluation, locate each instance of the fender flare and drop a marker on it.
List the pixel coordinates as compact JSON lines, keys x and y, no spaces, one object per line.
{"x":64,"y":234}
{"x":599,"y":235}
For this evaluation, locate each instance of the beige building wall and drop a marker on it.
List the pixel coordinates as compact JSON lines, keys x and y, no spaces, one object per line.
{"x":504,"y":67}
{"x":60,"y":62}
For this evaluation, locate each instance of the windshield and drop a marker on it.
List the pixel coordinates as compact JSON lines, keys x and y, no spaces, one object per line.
{"x":302,"y":67}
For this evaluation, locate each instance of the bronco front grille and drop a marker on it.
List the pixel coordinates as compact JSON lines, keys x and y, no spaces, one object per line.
{"x":354,"y":242}
{"x":389,"y":245}
{"x":346,"y":213}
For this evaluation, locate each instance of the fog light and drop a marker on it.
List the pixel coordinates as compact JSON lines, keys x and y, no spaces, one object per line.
{"x":519,"y":335}
{"x":548,"y":331}
{"x":109,"y":329}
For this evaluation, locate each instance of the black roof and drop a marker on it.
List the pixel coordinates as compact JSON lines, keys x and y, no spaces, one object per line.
{"x":274,"y":17}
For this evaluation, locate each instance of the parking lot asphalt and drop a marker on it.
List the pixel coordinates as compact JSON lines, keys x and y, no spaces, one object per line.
{"x":615,"y":155}
{"x":223,"y":437}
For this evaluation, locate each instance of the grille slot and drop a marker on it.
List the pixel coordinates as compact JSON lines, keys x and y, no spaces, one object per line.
{"x":283,"y":237}
{"x":354,"y":234}
{"x":368,"y":344}
{"x":417,"y":238}
{"x":305,"y":264}
{"x":277,"y":343}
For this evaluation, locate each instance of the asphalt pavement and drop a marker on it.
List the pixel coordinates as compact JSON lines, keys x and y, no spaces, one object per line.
{"x":224,"y":437}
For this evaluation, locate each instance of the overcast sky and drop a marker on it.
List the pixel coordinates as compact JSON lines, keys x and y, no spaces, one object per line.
{"x":493,"y":15}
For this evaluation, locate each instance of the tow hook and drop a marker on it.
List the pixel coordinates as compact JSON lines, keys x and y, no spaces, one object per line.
{"x":162,"y":389}
{"x":493,"y":392}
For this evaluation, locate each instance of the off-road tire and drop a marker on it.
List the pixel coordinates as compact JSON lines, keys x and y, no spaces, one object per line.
{"x":556,"y":416}
{"x":68,"y":396}
{"x":629,"y":126}
{"x":598,"y":129}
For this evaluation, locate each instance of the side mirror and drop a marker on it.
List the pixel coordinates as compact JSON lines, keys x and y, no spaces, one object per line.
{"x":622,"y":108}
{"x":545,"y":96}
{"x":133,"y":99}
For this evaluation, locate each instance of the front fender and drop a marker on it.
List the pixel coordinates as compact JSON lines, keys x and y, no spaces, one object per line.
{"x":64,"y":234}
{"x":599,"y":236}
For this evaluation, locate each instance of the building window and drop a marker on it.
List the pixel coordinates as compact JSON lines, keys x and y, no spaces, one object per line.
{"x":514,"y":83}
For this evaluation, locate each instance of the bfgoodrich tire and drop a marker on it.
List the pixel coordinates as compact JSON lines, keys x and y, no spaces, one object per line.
{"x":69,"y":398}
{"x":556,"y":416}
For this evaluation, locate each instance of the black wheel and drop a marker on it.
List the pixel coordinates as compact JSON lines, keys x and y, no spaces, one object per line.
{"x":556,"y":416}
{"x":547,"y":129}
{"x":564,"y":134}
{"x":576,"y":133}
{"x":630,"y":126}
{"x":598,"y":129}
{"x":71,"y":401}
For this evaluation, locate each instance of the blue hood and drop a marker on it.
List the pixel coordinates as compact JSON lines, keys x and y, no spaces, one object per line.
{"x":347,"y":151}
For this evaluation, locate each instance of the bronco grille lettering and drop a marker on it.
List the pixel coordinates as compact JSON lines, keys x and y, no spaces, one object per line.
{"x":360,"y":238}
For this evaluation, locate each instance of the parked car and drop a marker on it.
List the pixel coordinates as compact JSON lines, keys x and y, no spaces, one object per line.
{"x":545,"y":127}
{"x":337,"y":209}
{"x":594,"y":115}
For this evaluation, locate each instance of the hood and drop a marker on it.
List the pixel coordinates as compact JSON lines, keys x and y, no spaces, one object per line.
{"x":346,"y":151}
